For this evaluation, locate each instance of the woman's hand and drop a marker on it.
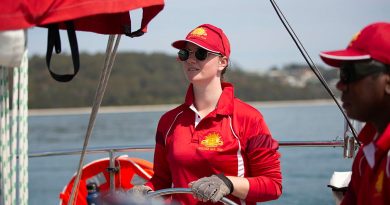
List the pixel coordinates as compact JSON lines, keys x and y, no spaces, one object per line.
{"x":139,"y":190}
{"x":211,"y":188}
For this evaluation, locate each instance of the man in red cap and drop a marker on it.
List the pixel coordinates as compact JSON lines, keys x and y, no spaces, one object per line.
{"x":213,"y":143}
{"x":365,"y":86}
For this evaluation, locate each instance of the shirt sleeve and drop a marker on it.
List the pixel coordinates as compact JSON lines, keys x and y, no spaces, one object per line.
{"x":162,"y":175}
{"x":265,"y":178}
{"x":350,"y":195}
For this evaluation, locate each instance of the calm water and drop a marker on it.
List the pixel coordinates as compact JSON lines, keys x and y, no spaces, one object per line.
{"x":306,"y":171}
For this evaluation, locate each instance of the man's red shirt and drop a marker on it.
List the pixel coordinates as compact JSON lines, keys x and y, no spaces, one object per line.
{"x":370,"y":181}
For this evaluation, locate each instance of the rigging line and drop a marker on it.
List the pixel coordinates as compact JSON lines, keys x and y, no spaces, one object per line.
{"x":300,"y":46}
{"x":311,"y":64}
{"x":110,"y":58}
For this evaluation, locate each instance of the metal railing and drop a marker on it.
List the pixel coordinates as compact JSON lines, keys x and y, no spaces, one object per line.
{"x":148,"y":148}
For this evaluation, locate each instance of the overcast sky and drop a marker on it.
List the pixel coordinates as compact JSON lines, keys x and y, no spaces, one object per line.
{"x":258,"y":38}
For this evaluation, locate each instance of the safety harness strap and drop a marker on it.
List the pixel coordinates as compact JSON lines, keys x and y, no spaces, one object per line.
{"x":54,"y":41}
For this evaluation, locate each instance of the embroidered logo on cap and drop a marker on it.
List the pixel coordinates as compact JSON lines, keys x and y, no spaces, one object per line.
{"x":354,"y":38}
{"x":212,"y":141}
{"x":199,"y":32}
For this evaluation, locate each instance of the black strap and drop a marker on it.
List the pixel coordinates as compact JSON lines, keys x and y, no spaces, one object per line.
{"x":127,"y":32}
{"x":54,"y":41}
{"x":227,"y":181}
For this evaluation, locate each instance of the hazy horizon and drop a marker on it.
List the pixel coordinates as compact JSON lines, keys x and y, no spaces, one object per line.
{"x":257,"y":37}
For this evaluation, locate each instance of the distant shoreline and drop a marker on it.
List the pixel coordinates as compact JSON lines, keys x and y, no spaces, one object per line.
{"x":166,"y":107}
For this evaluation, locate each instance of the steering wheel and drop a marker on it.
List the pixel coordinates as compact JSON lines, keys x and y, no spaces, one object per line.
{"x":169,"y":191}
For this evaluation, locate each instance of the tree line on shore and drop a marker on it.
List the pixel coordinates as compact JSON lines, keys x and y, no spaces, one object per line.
{"x":145,"y":79}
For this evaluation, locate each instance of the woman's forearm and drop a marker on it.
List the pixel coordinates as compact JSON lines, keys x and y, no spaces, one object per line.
{"x":241,"y":186}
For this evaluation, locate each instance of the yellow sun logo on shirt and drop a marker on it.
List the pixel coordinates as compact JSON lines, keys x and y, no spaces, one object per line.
{"x":199,"y":32}
{"x":212,"y":141}
{"x":379,"y":183}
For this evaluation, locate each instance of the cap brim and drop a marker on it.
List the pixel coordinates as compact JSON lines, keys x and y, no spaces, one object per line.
{"x":179,"y":44}
{"x":182,"y":43}
{"x":335,"y":58}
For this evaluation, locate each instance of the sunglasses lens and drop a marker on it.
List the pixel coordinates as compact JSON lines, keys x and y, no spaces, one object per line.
{"x":201,"y":54}
{"x":344,"y":76}
{"x":183,"y":54}
{"x":345,"y":71}
{"x":354,"y":71}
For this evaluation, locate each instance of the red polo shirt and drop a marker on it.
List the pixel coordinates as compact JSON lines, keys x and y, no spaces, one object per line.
{"x":233,"y":139}
{"x":370,"y":182}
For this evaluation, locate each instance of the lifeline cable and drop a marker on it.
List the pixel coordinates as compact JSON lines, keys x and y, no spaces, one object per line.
{"x":311,"y":64}
{"x":108,"y":64}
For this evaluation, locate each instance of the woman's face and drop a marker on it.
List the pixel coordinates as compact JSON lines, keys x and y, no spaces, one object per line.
{"x":202,"y":71}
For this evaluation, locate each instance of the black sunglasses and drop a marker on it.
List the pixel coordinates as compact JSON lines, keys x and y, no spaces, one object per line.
{"x":356,"y":70}
{"x":200,"y":54}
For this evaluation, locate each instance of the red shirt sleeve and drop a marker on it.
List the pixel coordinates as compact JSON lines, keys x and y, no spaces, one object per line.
{"x":162,"y":175}
{"x":265,"y":178}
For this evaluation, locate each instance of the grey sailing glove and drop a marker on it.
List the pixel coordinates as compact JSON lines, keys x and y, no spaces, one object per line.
{"x":139,"y":190}
{"x":212,"y":188}
{"x":139,"y":193}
